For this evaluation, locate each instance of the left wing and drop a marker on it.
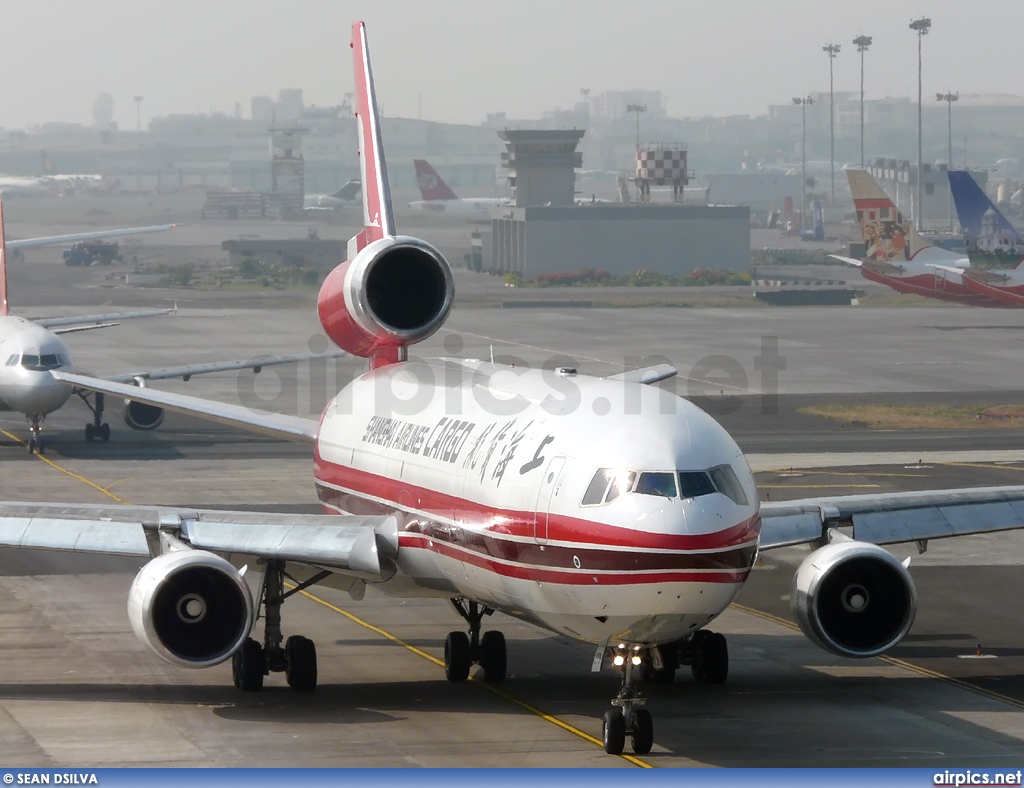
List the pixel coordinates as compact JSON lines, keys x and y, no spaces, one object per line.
{"x":56,"y":240}
{"x":893,"y":517}
{"x":186,"y":371}
{"x":67,"y":325}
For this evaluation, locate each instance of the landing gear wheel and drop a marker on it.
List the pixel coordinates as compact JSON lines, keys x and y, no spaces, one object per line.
{"x":300,"y":663}
{"x":90,"y":431}
{"x":456,"y":657}
{"x":710,"y":658}
{"x":493,"y":656}
{"x":613,"y":732}
{"x":642,"y":734}
{"x":31,"y":445}
{"x":40,"y":447}
{"x":104,"y":432}
{"x":248,"y":666}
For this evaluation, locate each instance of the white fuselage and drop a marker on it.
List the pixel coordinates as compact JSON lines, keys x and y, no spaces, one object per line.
{"x":488,"y":469}
{"x":28,"y":353}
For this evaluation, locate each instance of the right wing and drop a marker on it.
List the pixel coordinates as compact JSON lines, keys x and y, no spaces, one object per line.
{"x":186,"y":371}
{"x":67,"y":325}
{"x":55,"y":240}
{"x":278,"y":425}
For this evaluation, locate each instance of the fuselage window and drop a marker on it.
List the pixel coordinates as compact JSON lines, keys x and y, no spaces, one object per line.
{"x":657,"y":483}
{"x":693,"y":484}
{"x":726,"y":483}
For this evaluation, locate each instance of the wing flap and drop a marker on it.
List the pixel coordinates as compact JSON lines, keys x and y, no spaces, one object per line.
{"x":278,"y":425}
{"x":895,"y":517}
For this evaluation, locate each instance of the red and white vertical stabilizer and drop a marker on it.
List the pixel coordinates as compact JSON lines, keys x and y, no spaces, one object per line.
{"x":4,"y":308}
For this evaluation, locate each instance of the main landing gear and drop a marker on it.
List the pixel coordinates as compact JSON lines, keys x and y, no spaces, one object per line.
{"x":296,"y":659}
{"x":462,"y":651}
{"x":97,"y":428}
{"x":705,"y":652}
{"x":35,"y":442}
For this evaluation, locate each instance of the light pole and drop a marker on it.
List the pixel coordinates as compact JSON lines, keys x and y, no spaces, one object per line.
{"x":138,"y":143}
{"x":832,"y":50}
{"x":803,"y":102}
{"x":921,"y":27}
{"x":862,"y":43}
{"x":949,"y":98}
{"x":637,"y":108}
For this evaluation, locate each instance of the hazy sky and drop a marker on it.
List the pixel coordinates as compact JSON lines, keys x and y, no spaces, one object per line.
{"x":464,"y":58}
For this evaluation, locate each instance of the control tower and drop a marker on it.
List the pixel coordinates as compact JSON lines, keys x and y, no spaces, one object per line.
{"x":542,"y":165}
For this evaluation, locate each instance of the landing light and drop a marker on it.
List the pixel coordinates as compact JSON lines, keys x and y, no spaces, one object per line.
{"x":619,"y":661}
{"x":636,"y":659}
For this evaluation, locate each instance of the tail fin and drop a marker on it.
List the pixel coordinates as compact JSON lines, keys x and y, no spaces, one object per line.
{"x":349,"y":191}
{"x":986,"y":230}
{"x":430,"y":183}
{"x":378,"y":216}
{"x":4,"y":309}
{"x":887,"y":234}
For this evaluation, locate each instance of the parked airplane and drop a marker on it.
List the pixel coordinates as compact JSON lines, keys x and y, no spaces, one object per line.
{"x":603,"y":509}
{"x":345,"y":196}
{"x":438,"y":197}
{"x":991,"y":239}
{"x":31,"y":350}
{"x":897,"y":256}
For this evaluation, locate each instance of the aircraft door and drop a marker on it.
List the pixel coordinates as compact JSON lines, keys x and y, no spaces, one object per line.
{"x":549,"y":487}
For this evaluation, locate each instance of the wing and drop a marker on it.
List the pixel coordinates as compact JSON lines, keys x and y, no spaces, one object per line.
{"x":56,"y":240}
{"x":67,"y":325}
{"x":188,"y":370}
{"x":277,"y":425}
{"x":894,"y":517}
{"x":646,"y":375}
{"x":364,"y":547}
{"x":847,"y":260}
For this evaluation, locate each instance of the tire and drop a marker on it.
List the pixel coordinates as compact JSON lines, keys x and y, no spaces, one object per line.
{"x":247,"y":666}
{"x":104,"y":432}
{"x":493,"y":656}
{"x":456,"y":657}
{"x":90,"y":432}
{"x":613,"y":732}
{"x":711,"y":660}
{"x":300,"y":663}
{"x":643,"y":732}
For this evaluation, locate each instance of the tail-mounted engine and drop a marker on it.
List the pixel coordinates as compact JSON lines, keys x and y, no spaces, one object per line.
{"x":191,"y":608}
{"x":395,"y":292}
{"x":854,"y":599}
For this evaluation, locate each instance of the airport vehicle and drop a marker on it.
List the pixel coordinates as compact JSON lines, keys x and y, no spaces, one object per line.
{"x":604,"y":509}
{"x":347,"y":195}
{"x":439,"y":198}
{"x":90,"y":252}
{"x":897,"y":256}
{"x":32,"y":349}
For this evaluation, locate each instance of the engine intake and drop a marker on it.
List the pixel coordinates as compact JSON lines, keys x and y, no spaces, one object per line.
{"x":191,"y":608}
{"x":854,"y":599}
{"x":140,"y":416}
{"x":397,"y":291}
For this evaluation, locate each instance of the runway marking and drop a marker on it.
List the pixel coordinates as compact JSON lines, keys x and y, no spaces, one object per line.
{"x":72,"y":474}
{"x":982,"y":465}
{"x":489,"y":687}
{"x":813,"y":486}
{"x":872,"y":474}
{"x":899,"y":663}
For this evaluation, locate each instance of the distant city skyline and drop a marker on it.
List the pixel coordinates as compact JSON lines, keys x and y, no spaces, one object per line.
{"x":458,"y":60}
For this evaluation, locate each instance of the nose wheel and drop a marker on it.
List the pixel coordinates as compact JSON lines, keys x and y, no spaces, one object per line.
{"x":295,"y":657}
{"x":35,"y":441}
{"x":627,"y":717}
{"x":462,"y":651}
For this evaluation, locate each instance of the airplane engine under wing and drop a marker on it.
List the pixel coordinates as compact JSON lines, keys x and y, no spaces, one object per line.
{"x":191,"y":608}
{"x":395,"y":292}
{"x":140,"y":416}
{"x":854,"y":599}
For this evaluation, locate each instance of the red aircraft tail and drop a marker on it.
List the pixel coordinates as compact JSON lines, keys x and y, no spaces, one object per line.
{"x":4,"y":309}
{"x":430,"y":183}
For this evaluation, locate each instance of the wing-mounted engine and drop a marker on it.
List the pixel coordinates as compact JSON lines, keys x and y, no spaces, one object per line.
{"x":140,"y":416}
{"x":191,"y":608}
{"x":854,"y":599}
{"x":395,"y":292}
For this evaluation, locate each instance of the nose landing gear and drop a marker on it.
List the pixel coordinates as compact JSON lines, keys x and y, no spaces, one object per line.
{"x":627,"y":717}
{"x":35,"y":442}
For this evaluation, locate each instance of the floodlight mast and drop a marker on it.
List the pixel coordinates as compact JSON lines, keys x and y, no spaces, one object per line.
{"x":832,"y":50}
{"x":862,"y":43}
{"x":921,"y":27}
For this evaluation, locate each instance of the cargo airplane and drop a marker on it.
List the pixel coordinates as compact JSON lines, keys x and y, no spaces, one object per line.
{"x":896,"y":256}
{"x":607,"y":510}
{"x":31,"y":350}
{"x":439,"y":198}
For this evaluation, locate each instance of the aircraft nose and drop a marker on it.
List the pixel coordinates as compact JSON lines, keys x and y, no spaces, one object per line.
{"x":37,"y":393}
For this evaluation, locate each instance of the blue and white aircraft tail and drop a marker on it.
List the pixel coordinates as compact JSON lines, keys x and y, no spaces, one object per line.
{"x":989,"y":235}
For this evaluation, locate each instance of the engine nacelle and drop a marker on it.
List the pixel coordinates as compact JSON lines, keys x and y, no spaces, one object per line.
{"x":140,"y":416}
{"x":397,"y":291}
{"x":191,"y":608}
{"x":854,"y":599}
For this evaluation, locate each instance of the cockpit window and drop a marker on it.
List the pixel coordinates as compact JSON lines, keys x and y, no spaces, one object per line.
{"x":607,"y":485}
{"x":693,"y":484}
{"x":657,"y":483}
{"x":12,"y":360}
{"x":726,"y":483}
{"x":40,"y":363}
{"x":622,"y":482}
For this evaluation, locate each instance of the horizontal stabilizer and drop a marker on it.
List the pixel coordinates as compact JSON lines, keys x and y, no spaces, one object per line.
{"x":847,"y":260}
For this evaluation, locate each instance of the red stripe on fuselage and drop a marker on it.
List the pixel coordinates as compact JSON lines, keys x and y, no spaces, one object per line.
{"x":924,"y":284}
{"x":1010,"y":296}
